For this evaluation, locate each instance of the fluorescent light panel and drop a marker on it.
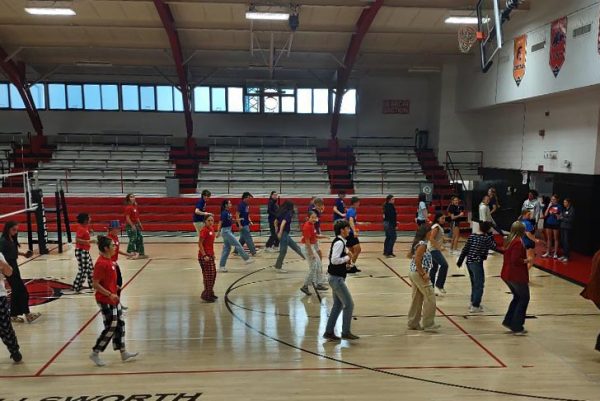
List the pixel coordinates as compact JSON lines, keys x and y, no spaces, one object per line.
{"x":49,"y":11}
{"x":461,"y":20}
{"x":258,"y":15}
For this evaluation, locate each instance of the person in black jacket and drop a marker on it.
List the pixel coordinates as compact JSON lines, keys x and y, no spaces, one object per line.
{"x":273,"y":241}
{"x":389,"y":225}
{"x":566,"y":225}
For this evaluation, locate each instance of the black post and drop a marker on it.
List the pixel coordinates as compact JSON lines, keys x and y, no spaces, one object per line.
{"x":63,"y":205}
{"x":59,"y":238}
{"x":38,"y":197}
{"x":29,"y":231}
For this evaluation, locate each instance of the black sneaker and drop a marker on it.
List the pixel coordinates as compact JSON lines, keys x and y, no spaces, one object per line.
{"x":354,"y":269}
{"x":215,"y":297}
{"x":16,"y":356}
{"x":305,"y":291}
{"x":350,"y":336}
{"x":331,"y":337}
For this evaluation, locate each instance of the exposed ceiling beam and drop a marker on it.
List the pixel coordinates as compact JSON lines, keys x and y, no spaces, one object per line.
{"x":343,"y":73}
{"x":169,"y":25}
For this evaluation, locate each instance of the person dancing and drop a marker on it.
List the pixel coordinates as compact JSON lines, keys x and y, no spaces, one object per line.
{"x":390,"y":222}
{"x":83,"y":242}
{"x":200,"y":213}
{"x":592,"y":289}
{"x":206,"y":257}
{"x":134,"y":228}
{"x":311,"y":246}
{"x":285,"y":216}
{"x":273,"y":241}
{"x":7,"y":333}
{"x":244,"y":222}
{"x":229,"y":240}
{"x":114,"y":228}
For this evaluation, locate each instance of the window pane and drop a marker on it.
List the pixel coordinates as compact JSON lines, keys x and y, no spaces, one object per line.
{"x":202,"y":98}
{"x":235,"y":98}
{"x":164,"y":98}
{"x":177,"y":99}
{"x":271,"y":103}
{"x":304,"y":97}
{"x":321,"y":101}
{"x":252,"y":104}
{"x":131,"y":97}
{"x":39,"y":95}
{"x":74,"y":97}
{"x":253,"y":91}
{"x":91,"y":95}
{"x":57,"y":97}
{"x":287,"y":91}
{"x":4,"y":96}
{"x":349,"y":102}
{"x":288,"y":104}
{"x":147,"y":98}
{"x":218,"y":99}
{"x":110,"y":97}
{"x":16,"y":102}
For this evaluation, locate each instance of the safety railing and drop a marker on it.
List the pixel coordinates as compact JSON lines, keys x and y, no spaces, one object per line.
{"x":114,"y":138}
{"x":258,"y":140}
{"x":461,"y":161}
{"x":385,"y":176}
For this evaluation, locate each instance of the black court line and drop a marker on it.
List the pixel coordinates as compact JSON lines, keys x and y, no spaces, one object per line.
{"x":229,"y":305}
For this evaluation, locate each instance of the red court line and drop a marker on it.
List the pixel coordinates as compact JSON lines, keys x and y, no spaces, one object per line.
{"x":82,"y":328}
{"x":459,"y":327}
{"x":39,"y":255}
{"x":248,"y":370}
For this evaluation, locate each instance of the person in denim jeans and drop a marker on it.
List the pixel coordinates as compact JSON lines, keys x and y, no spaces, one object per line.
{"x":244,"y":222}
{"x":390,"y":221}
{"x":439,"y":270}
{"x":229,"y":239}
{"x":476,"y":251}
{"x":339,"y":264}
{"x":285,"y":215}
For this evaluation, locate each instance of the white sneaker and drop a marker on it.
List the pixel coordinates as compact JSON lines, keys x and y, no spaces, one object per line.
{"x":128,"y":355}
{"x":96,"y":359}
{"x":555,"y":256}
{"x":564,"y":259}
{"x":546,"y":255}
{"x":222,"y":270}
{"x":258,"y":251}
{"x":281,"y":271}
{"x":475,"y":309}
{"x":438,"y":292}
{"x":250,"y":261}
{"x":432,"y":329}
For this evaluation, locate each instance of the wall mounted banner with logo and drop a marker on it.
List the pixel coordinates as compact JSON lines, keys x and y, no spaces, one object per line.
{"x":396,"y":106}
{"x":558,"y":45}
{"x":520,"y":59}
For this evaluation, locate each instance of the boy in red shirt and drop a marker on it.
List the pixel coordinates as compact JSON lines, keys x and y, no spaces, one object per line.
{"x":82,"y":252}
{"x":134,"y":228}
{"x":206,"y":257}
{"x":310,"y":241}
{"x":114,"y":227}
{"x":105,"y":284}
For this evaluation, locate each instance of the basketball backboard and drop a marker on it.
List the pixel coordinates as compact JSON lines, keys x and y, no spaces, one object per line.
{"x":489,"y":27}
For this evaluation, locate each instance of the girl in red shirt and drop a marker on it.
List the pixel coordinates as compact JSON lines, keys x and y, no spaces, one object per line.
{"x":114,"y":228}
{"x":516,"y":276}
{"x":134,"y":228}
{"x":206,"y":257}
{"x":82,"y":252}
{"x":311,"y":246}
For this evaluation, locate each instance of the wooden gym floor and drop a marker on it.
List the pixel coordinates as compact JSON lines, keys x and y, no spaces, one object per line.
{"x":262,"y":339}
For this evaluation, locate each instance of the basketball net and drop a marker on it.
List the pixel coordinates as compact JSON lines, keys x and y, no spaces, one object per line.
{"x":467,"y":36}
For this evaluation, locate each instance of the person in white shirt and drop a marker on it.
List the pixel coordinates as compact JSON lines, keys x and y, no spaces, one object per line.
{"x":7,"y":333}
{"x":533,"y":205}
{"x":485,"y":214}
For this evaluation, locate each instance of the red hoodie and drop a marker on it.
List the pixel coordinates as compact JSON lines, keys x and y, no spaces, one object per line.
{"x":514,"y":268}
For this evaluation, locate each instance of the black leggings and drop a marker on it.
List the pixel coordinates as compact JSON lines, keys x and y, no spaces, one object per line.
{"x":273,"y":240}
{"x":19,"y":296}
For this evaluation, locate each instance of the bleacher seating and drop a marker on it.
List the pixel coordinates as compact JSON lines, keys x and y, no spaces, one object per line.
{"x":260,"y":170}
{"x":394,"y":170}
{"x":109,"y":169}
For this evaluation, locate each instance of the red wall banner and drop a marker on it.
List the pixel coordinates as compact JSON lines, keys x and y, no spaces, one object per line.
{"x":396,"y":106}
{"x":520,"y":58}
{"x":558,"y":45}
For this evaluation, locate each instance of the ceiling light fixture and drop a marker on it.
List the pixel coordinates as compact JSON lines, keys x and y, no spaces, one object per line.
{"x":49,"y":11}
{"x":464,"y":20}
{"x":267,"y":13}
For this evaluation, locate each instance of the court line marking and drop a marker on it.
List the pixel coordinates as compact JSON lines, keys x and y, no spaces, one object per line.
{"x":458,"y":326}
{"x":82,"y":328}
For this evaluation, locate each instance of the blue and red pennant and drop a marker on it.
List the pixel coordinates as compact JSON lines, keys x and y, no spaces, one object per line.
{"x":558,"y":45}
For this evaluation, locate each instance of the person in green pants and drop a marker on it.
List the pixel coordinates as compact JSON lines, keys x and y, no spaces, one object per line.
{"x":133,"y":227}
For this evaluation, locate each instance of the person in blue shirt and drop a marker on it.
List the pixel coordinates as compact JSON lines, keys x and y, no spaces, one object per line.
{"x":339,"y":209}
{"x":229,"y":240}
{"x":273,"y":241}
{"x":285,"y":216}
{"x":352,"y":242}
{"x":243,"y":219}
{"x":529,"y":239}
{"x":200,"y":212}
{"x":552,"y":224}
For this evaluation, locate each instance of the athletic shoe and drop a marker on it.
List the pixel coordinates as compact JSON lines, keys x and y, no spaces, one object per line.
{"x":547,"y":254}
{"x":215,"y":297}
{"x":95,"y":357}
{"x":350,"y":336}
{"x":143,"y":257}
{"x":305,"y":291}
{"x":331,"y":337}
{"x":475,"y":309}
{"x":520,"y":333}
{"x":393,"y":255}
{"x":17,"y":319}
{"x":128,"y":355}
{"x":32,"y":317}
{"x":555,"y":256}
{"x":564,"y":259}
{"x":432,"y":329}
{"x":321,"y":287}
{"x":208,"y":300}
{"x":439,"y":292}
{"x":222,"y":270}
{"x":16,"y":356}
{"x":123,"y":307}
{"x":354,"y":270}
{"x":258,"y":250}
{"x":250,"y":261}
{"x":418,"y":328}
{"x":281,"y":271}
{"x":443,"y":291}
{"x":389,"y":256}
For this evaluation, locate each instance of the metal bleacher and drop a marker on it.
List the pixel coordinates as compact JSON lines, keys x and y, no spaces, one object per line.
{"x":260,"y":170}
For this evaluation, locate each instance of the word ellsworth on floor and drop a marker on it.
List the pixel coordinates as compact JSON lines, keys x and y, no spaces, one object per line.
{"x":118,"y":397}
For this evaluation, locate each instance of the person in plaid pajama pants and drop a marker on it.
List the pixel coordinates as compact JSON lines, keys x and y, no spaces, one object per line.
{"x":105,"y":284}
{"x":206,"y":257}
{"x":82,"y":252}
{"x":7,"y":334}
{"x":133,"y":227}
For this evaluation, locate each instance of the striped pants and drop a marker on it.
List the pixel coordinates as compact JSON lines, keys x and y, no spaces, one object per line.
{"x":136,"y":240}
{"x":85,"y":270}
{"x":114,"y":328}
{"x":209,"y":275}
{"x":9,"y":338}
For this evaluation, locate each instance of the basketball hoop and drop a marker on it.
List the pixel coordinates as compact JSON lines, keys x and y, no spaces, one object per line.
{"x":467,"y":36}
